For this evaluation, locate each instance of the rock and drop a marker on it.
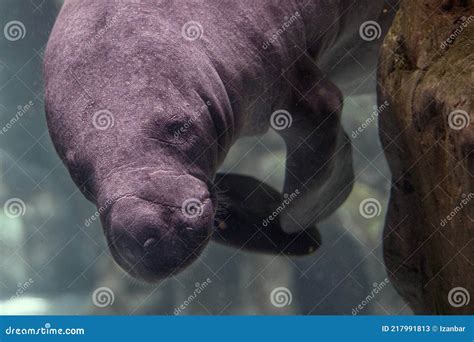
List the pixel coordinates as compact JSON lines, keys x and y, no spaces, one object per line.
{"x":426,"y":75}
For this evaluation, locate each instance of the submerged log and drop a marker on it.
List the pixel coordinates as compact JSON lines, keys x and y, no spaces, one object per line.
{"x":426,"y":74}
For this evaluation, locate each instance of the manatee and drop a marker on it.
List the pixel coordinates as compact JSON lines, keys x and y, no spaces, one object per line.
{"x":144,"y":98}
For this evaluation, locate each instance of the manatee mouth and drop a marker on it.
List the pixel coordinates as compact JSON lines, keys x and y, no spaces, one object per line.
{"x":152,"y":241}
{"x":158,"y":257}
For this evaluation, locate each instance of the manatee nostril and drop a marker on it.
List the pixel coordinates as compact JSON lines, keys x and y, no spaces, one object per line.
{"x":150,"y":241}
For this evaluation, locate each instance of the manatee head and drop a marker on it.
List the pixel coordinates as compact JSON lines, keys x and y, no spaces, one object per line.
{"x":157,"y":232}
{"x":152,"y":187}
{"x":143,"y":143}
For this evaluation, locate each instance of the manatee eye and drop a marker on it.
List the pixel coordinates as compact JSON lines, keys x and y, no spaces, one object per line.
{"x":178,"y":129}
{"x":175,"y":126}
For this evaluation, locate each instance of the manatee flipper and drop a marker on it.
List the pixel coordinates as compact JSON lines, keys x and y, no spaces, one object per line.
{"x":240,"y":220}
{"x":319,"y":154}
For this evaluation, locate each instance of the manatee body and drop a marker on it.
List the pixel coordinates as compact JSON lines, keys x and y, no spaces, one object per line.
{"x":145,"y":98}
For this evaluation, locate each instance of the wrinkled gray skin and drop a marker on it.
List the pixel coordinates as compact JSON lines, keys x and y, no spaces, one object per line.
{"x":132,"y":60}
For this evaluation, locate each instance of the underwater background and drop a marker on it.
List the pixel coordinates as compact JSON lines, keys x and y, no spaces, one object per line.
{"x":53,"y":254}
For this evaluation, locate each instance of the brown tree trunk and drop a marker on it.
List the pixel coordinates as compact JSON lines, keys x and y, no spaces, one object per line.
{"x":426,"y":74}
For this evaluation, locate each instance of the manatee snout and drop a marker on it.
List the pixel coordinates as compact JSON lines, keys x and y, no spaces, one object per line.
{"x":152,"y":238}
